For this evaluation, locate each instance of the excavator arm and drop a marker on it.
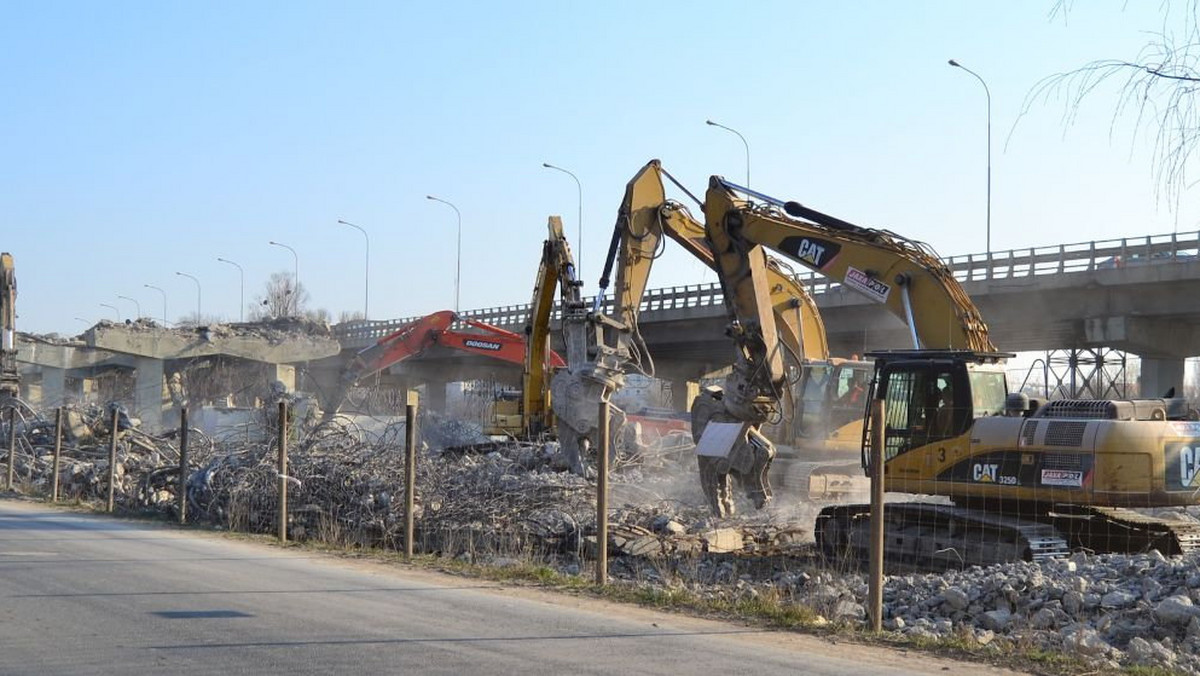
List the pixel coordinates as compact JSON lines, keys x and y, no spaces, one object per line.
{"x":797,"y":317}
{"x":418,"y":336}
{"x":556,"y":270}
{"x":645,"y":217}
{"x":904,"y":275}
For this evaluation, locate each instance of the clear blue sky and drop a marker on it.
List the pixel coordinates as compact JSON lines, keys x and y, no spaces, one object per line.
{"x":144,"y":138}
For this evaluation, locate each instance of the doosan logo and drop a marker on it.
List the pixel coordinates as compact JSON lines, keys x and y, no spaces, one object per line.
{"x":482,"y":344}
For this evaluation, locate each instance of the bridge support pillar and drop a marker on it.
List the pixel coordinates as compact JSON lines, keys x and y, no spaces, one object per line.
{"x":683,"y":393}
{"x":54,"y":387}
{"x":435,"y":396}
{"x":148,"y":392}
{"x":286,"y":375}
{"x":1160,"y":374}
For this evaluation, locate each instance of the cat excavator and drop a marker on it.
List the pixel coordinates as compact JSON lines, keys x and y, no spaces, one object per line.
{"x":604,"y":346}
{"x":9,"y":382}
{"x":1018,"y":479}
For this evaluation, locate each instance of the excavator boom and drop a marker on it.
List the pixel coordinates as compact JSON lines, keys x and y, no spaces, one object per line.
{"x":556,"y":270}
{"x":905,"y":276}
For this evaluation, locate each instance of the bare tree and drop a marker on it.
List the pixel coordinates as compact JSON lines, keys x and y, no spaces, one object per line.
{"x":1157,"y":87}
{"x":282,"y":298}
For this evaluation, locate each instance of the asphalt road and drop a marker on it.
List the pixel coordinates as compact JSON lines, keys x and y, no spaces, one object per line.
{"x":82,"y":594}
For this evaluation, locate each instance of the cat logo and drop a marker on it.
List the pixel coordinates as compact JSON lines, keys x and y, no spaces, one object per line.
{"x":1189,"y":466}
{"x":985,"y":473}
{"x":813,"y":252}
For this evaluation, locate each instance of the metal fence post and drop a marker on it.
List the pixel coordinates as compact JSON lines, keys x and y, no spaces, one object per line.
{"x":12,"y":446}
{"x":283,"y":435}
{"x":602,"y":494}
{"x":112,"y":460}
{"x":875,"y":574}
{"x":58,"y":430}
{"x":410,"y":471}
{"x":183,"y":464}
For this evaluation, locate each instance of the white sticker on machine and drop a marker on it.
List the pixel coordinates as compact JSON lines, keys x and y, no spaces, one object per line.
{"x":860,"y":281}
{"x":1062,"y":477}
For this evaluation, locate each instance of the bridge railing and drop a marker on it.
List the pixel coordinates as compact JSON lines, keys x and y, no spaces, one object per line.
{"x":1033,"y":261}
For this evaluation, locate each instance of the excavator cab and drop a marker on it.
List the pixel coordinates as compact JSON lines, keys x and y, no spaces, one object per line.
{"x":832,"y":395}
{"x":930,"y":396}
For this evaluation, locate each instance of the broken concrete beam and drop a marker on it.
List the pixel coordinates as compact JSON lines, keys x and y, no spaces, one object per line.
{"x":723,"y":540}
{"x":649,"y":546}
{"x":162,"y":343}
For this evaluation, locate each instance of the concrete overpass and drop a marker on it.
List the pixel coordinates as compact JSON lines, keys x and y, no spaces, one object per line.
{"x":1140,"y":295}
{"x":56,"y":372}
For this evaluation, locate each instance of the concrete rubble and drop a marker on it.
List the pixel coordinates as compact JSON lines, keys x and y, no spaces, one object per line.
{"x":501,"y":503}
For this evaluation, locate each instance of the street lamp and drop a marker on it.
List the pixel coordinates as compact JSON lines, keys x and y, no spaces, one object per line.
{"x":114,"y":309}
{"x":295,"y":274}
{"x":164,"y":295}
{"x":184,"y":274}
{"x":135,"y":304}
{"x":578,"y":267}
{"x":988,"y":92}
{"x":241,"y":287}
{"x":739,"y":135}
{"x":458,"y":264}
{"x":367,"y":274}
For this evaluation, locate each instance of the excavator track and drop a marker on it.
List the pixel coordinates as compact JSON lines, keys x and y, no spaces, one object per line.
{"x":1116,"y":529}
{"x":928,"y":536}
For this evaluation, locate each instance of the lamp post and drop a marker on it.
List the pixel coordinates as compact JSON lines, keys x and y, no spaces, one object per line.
{"x":136,"y":304}
{"x":367,"y":268}
{"x":988,"y":92}
{"x":184,"y":274}
{"x":241,"y":288}
{"x":114,"y":309}
{"x":739,"y":135}
{"x":164,"y":295}
{"x":579,"y":186}
{"x":295,"y":273}
{"x":458,"y":263}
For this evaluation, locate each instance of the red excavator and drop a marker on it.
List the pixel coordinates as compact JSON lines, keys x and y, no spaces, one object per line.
{"x":419,"y":335}
{"x":434,"y":329}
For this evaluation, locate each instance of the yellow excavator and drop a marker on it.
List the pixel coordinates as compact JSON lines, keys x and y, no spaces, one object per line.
{"x":556,"y":271}
{"x":1018,"y":479}
{"x":9,"y":381}
{"x":606,"y":345}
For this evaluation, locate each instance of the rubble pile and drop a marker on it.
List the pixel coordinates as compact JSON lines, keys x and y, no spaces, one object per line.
{"x":1129,"y":610}
{"x":1111,"y":611}
{"x":143,"y":460}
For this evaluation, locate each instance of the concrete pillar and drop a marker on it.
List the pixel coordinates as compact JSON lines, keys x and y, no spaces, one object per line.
{"x":1160,"y":374}
{"x":286,"y":375}
{"x":54,"y":387}
{"x":683,"y":393}
{"x":148,"y":397}
{"x":435,"y":396}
